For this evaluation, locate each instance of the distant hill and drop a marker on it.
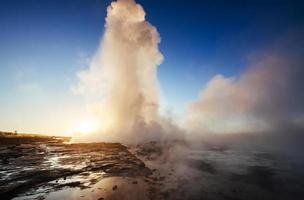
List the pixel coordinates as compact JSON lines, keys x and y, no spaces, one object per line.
{"x":14,"y":137}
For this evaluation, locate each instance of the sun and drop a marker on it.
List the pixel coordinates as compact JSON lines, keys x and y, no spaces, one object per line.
{"x":86,"y":127}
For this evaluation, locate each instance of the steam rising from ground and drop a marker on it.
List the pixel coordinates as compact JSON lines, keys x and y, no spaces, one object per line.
{"x":121,"y":85}
{"x":267,"y":96}
{"x":122,"y":89}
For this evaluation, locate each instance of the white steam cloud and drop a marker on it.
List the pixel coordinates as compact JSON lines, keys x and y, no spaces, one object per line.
{"x":268,"y":96}
{"x":121,"y":84}
{"x":122,"y":89}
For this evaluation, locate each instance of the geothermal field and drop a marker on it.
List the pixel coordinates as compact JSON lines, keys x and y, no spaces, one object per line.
{"x":151,"y":100}
{"x":35,"y":167}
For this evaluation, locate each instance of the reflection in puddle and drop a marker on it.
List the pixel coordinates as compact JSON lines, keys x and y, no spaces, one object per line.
{"x":104,"y":189}
{"x":107,"y":188}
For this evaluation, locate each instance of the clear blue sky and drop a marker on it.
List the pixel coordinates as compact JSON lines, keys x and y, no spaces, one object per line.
{"x":44,"y":43}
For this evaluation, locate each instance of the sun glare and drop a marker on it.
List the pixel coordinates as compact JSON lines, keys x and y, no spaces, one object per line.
{"x":86,"y":127}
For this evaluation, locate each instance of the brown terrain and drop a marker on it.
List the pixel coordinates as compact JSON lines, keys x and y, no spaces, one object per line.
{"x":44,"y":167}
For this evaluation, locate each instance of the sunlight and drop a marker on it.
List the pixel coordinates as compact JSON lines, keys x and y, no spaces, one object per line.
{"x":86,"y":127}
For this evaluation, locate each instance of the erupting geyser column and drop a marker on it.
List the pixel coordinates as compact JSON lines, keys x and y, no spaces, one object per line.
{"x":121,"y":84}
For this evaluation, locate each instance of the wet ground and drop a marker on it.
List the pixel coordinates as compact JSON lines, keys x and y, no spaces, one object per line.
{"x":35,"y":169}
{"x":221,"y":172}
{"x":51,"y":168}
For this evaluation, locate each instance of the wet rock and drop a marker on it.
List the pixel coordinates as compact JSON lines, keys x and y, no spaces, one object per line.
{"x":40,"y":198}
{"x":261,"y":176}
{"x":71,"y":184}
{"x":165,"y":194}
{"x":115,"y":187}
{"x":5,"y":161}
{"x":50,"y":162}
{"x":201,"y":165}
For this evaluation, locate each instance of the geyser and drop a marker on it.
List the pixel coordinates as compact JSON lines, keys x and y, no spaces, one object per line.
{"x":121,"y":85}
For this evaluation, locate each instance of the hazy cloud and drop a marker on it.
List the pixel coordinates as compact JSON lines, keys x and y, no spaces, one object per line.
{"x":268,"y":95}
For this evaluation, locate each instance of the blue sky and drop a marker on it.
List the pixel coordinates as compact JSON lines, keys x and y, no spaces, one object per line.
{"x":44,"y":43}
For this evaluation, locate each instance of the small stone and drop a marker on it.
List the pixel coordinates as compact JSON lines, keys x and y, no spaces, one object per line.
{"x":115,"y":187}
{"x":134,"y":182}
{"x":101,"y":198}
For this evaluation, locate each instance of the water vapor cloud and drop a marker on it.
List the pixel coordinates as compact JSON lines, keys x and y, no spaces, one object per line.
{"x":121,"y":85}
{"x":267,"y":96}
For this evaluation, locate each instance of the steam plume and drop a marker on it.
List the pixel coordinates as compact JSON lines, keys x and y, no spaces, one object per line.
{"x":122,"y":89}
{"x":121,"y":84}
{"x":268,"y":96}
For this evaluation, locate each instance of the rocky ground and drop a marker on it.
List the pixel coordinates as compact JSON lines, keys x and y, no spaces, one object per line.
{"x":216,"y":172}
{"x":33,"y":167}
{"x":51,"y":168}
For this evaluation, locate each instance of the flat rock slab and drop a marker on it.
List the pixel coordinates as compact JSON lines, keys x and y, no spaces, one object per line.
{"x":53,"y":164}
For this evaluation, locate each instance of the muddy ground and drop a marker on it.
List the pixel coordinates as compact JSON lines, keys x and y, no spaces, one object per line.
{"x":51,"y":168}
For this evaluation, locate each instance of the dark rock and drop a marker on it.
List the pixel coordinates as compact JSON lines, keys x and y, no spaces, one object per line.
{"x":31,"y":164}
{"x":5,"y":161}
{"x":71,"y":184}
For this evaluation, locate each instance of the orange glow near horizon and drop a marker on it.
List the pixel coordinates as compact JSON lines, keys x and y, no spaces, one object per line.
{"x":86,"y":127}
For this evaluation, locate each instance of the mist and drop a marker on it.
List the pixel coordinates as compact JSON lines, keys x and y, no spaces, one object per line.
{"x":267,"y":96}
{"x":121,"y":85}
{"x":121,"y":89}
